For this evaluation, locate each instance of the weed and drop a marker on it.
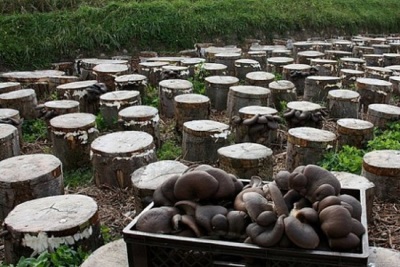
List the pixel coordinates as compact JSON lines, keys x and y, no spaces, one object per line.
{"x":106,"y":233}
{"x":100,"y":123}
{"x":169,"y":151}
{"x":78,"y":177}
{"x":34,"y":130}
{"x":151,"y":98}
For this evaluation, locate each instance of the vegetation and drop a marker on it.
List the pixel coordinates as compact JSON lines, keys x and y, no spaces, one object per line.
{"x":34,"y":130}
{"x":78,"y":177}
{"x":84,"y":28}
{"x":169,"y":150}
{"x":349,"y":159}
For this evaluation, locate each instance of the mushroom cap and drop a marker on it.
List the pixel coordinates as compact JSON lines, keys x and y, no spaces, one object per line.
{"x":291,"y":197}
{"x":157,"y":220}
{"x":282,"y":180}
{"x":301,"y":234}
{"x":187,"y":207}
{"x":255,"y":204}
{"x":266,"y":236}
{"x":237,"y":221}
{"x":238,"y":204}
{"x":266,"y":218}
{"x":164,"y":194}
{"x":326,"y":202}
{"x":276,"y":195}
{"x":219,"y":224}
{"x":335,"y":221}
{"x":357,"y":227}
{"x":350,"y":241}
{"x":226,"y":186}
{"x":185,"y":222}
{"x":306,"y":215}
{"x":204,"y":215}
{"x":321,"y":192}
{"x":357,"y":208}
{"x":298,"y":182}
{"x":195,"y":185}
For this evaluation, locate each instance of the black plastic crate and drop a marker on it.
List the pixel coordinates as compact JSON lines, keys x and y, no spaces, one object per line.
{"x":158,"y":250}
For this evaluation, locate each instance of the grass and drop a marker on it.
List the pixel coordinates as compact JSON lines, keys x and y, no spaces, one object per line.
{"x":34,"y":130}
{"x":78,"y":177}
{"x":87,"y":27}
{"x":169,"y":150}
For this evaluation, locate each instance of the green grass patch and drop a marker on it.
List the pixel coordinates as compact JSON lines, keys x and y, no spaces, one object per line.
{"x":78,"y":177}
{"x":34,"y":130}
{"x":169,"y":150}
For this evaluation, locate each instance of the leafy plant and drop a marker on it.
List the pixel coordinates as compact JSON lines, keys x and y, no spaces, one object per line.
{"x":78,"y":177}
{"x":169,"y":151}
{"x":100,"y":123}
{"x":33,"y":130}
{"x":151,"y":98}
{"x":106,"y":233}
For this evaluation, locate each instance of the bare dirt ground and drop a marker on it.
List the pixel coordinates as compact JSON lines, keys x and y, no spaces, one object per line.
{"x":116,"y":206}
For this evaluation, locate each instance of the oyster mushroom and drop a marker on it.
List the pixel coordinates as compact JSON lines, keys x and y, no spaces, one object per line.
{"x":336,"y":221}
{"x":164,"y":194}
{"x":195,"y":185}
{"x":301,"y":233}
{"x":350,"y":241}
{"x":266,"y":236}
{"x":204,"y":216}
{"x":157,"y":220}
{"x":255,"y":204}
{"x":279,"y":203}
{"x":356,"y":205}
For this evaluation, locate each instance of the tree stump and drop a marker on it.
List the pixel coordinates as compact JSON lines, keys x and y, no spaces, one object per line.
{"x":316,"y":88}
{"x":77,"y":91}
{"x":281,"y":52}
{"x":168,"y":89}
{"x":23,"y":100}
{"x":228,"y":59}
{"x":275,"y":64}
{"x":259,"y":78}
{"x":395,"y":70}
{"x":395,"y":48}
{"x":132,"y":82}
{"x":146,"y":179}
{"x":86,"y":66}
{"x":350,"y":180}
{"x":191,"y":63}
{"x":349,"y":77}
{"x":381,"y":114}
{"x":343,"y":103}
{"x":58,"y":107}
{"x":296,"y":73}
{"x":7,"y":87}
{"x":170,"y":60}
{"x":382,"y":167}
{"x":240,"y":96}
{"x":141,"y":118}
{"x":300,"y":46}
{"x":304,"y":57}
{"x":202,"y":138}
{"x":306,"y":145}
{"x":343,"y":45}
{"x":115,"y":156}
{"x":260,"y":57}
{"x":244,"y":66}
{"x":373,"y":91}
{"x":378,"y":73}
{"x":190,"y":107}
{"x":303,"y":113}
{"x":282,"y":91}
{"x":46,"y":223}
{"x":325,"y":67}
{"x":246,"y":160}
{"x":390,"y":59}
{"x":211,"y":51}
{"x":71,"y":135}
{"x":351,"y":63}
{"x":374,"y":60}
{"x":9,"y":141}
{"x":217,"y":88}
{"x":66,"y":66}
{"x":111,"y":254}
{"x":395,"y":80}
{"x":262,"y":131}
{"x":55,"y":81}
{"x":11,"y":116}
{"x":337,"y":54}
{"x":174,"y":72}
{"x":28,"y":177}
{"x":106,"y":73}
{"x":354,"y":132}
{"x":321,"y":46}
{"x":361,"y":50}
{"x":111,"y":103}
{"x":381,"y":49}
{"x":211,"y":69}
{"x":152,"y":71}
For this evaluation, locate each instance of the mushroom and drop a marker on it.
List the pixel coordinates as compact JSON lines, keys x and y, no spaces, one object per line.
{"x":336,"y":221}
{"x":164,"y":194}
{"x":255,"y":185}
{"x":279,"y":203}
{"x":204,"y":216}
{"x":326,"y":202}
{"x":255,"y":204}
{"x":282,"y":180}
{"x":157,"y":220}
{"x":226,"y":186}
{"x":195,"y":185}
{"x":237,"y":222}
{"x":266,"y":236}
{"x":357,"y":227}
{"x":266,"y":218}
{"x":357,"y":208}
{"x":301,"y":233}
{"x":188,"y":222}
{"x":291,"y":197}
{"x":350,"y":241}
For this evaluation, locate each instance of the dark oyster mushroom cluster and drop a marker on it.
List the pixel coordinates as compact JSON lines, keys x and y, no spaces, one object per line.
{"x":258,"y":126}
{"x":297,"y":118}
{"x":208,"y":202}
{"x":95,"y":91}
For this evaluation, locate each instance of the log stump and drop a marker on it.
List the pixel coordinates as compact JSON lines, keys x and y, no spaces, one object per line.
{"x":141,"y":118}
{"x":395,"y":70}
{"x":352,"y":63}
{"x":9,"y":141}
{"x":354,"y":132}
{"x":300,"y":46}
{"x":202,"y":138}
{"x":381,"y":114}
{"x":11,"y":116}
{"x":23,"y":100}
{"x":217,"y":88}
{"x":244,"y":66}
{"x":281,"y":52}
{"x":382,"y":167}
{"x":190,"y":107}
{"x":360,"y":51}
{"x":115,"y":156}
{"x":55,"y":81}
{"x":395,"y":80}
{"x":146,"y":179}
{"x":152,"y":71}
{"x":113,"y":253}
{"x":275,"y":64}
{"x":132,"y":82}
{"x":58,"y":107}
{"x":381,"y":49}
{"x":174,"y":72}
{"x":374,"y":60}
{"x":343,"y":45}
{"x":316,"y":88}
{"x":86,"y":66}
{"x":262,"y":130}
{"x":168,"y":89}
{"x":343,"y":103}
{"x":71,"y":135}
{"x":111,"y":103}
{"x":259,"y":78}
{"x":304,"y":57}
{"x":191,"y":63}
{"x":170,"y":60}
{"x":325,"y":67}
{"x":390,"y":59}
{"x":296,"y":73}
{"x":260,"y":57}
{"x":378,"y":73}
{"x":211,"y":69}
{"x":306,"y":145}
{"x":282,"y":91}
{"x":106,"y":73}
{"x":349,"y":77}
{"x":303,"y":113}
{"x":228,"y":59}
{"x":77,"y":91}
{"x":211,"y":51}
{"x":354,"y":181}
{"x":337,"y":54}
{"x":246,"y":160}
{"x":7,"y":87}
{"x":321,"y":46}
{"x":46,"y":223}
{"x":246,"y":95}
{"x":28,"y":177}
{"x":373,"y":91}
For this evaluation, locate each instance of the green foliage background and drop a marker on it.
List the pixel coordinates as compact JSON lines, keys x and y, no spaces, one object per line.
{"x":36,"y":33}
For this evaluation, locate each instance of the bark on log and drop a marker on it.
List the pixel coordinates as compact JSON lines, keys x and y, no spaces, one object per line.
{"x":354,"y":132}
{"x":7,"y":87}
{"x":316,"y":88}
{"x":190,"y":107}
{"x":343,"y":103}
{"x":77,"y":91}
{"x":23,"y":100}
{"x":381,"y":114}
{"x":246,"y":95}
{"x":132,"y":82}
{"x":217,"y":88}
{"x":373,"y":91}
{"x":168,"y":89}
{"x":9,"y":141}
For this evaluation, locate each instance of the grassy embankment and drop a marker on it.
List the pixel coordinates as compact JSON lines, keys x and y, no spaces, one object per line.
{"x":34,"y":35}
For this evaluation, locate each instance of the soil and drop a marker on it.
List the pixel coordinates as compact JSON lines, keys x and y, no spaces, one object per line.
{"x":116,"y":206}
